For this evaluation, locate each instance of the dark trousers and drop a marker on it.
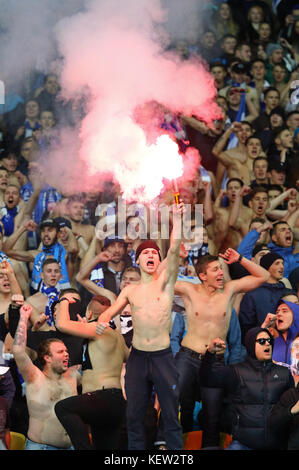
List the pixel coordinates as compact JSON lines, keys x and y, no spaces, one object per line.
{"x":103,"y":410}
{"x":188,"y":365}
{"x":145,"y":370}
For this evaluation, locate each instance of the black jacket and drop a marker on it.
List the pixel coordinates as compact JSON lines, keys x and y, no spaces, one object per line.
{"x":283,"y":422}
{"x":255,"y":388}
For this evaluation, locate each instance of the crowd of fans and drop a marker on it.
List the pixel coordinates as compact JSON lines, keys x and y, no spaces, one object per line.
{"x":247,"y":183}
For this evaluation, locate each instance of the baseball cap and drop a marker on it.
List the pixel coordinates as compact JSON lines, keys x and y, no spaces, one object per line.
{"x":63,"y":222}
{"x":113,"y":239}
{"x":239,"y":68}
{"x":48,"y":223}
{"x":278,"y":166}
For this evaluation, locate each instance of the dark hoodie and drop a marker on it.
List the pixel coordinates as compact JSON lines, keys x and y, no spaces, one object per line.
{"x":255,"y":387}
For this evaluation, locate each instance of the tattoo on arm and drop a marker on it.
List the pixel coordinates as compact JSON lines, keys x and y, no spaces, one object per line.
{"x":20,"y":338}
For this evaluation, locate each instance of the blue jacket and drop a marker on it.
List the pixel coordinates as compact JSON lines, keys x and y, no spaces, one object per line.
{"x":291,"y":260}
{"x":282,"y":347}
{"x":248,"y":243}
{"x":256,"y":304}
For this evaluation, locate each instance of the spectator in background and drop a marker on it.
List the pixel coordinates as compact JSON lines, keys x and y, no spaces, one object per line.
{"x":222,"y":22}
{"x":256,"y":304}
{"x":31,"y":123}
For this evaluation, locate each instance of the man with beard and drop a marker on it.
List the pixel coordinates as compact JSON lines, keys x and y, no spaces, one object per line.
{"x":101,"y":405}
{"x":107,"y":267}
{"x":44,"y":388}
{"x":50,"y":248}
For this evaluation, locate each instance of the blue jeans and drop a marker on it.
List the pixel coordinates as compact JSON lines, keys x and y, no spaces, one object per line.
{"x":30,"y":445}
{"x":236,"y":445}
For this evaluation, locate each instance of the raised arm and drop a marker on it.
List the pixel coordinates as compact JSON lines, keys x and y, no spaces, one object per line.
{"x":173,"y":255}
{"x":116,"y":308}
{"x":20,"y":255}
{"x":26,"y":367}
{"x":84,"y":273}
{"x":66,"y":325}
{"x":257,"y":277}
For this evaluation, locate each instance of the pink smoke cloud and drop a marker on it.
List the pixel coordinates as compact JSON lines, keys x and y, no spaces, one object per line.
{"x":110,"y":51}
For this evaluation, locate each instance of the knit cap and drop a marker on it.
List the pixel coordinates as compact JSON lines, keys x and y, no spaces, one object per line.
{"x":268,"y":259}
{"x":145,"y":245}
{"x":272,"y":47}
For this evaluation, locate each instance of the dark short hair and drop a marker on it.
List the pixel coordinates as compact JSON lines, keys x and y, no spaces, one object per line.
{"x":50,"y":261}
{"x":270,"y":88}
{"x":259,"y":247}
{"x":235,"y":179}
{"x":259,"y":159}
{"x":203,"y":262}
{"x":68,"y":290}
{"x":257,"y":219}
{"x":275,"y":187}
{"x":256,"y":190}
{"x":275,"y":225}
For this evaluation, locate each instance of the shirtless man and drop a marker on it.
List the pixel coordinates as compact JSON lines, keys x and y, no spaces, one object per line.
{"x":208,"y":308}
{"x":151,"y":361}
{"x":44,"y":388}
{"x":75,"y":212}
{"x":242,"y":131}
{"x":231,"y":221}
{"x":102,"y":404}
{"x":241,"y":165}
{"x":258,"y":207}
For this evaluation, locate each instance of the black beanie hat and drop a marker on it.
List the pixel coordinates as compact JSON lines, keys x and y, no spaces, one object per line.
{"x":251,"y":337}
{"x":145,"y":245}
{"x":268,"y":259}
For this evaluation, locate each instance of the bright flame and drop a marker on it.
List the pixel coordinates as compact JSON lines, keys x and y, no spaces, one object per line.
{"x":156,"y":162}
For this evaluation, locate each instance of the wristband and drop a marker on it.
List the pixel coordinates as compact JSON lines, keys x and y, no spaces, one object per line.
{"x":64,"y":298}
{"x":240,"y":258}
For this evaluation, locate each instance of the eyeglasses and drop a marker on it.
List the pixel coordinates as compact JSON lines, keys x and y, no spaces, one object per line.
{"x":263,"y":341}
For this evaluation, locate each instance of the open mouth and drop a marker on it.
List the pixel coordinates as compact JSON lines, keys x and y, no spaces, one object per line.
{"x":279,"y":322}
{"x":150,"y":263}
